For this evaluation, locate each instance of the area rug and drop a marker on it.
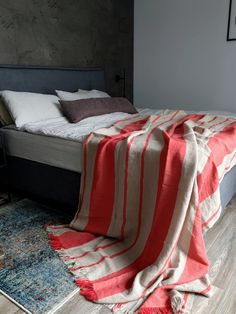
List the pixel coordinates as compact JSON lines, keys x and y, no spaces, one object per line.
{"x":30,"y":272}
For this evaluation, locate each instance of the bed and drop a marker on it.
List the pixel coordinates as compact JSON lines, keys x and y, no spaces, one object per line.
{"x":48,"y":168}
{"x":50,"y":183}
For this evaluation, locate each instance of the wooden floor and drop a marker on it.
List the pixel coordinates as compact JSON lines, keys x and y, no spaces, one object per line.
{"x":221,"y":248}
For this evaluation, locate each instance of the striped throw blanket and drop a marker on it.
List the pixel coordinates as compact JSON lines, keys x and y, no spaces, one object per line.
{"x":150,"y":187}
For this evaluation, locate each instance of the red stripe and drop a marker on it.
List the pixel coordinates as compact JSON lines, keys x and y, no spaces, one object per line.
{"x":223,"y":143}
{"x":229,"y":166}
{"x":125,"y":188}
{"x":174,"y":127}
{"x":207,"y":187}
{"x":71,"y":239}
{"x":135,"y":126}
{"x":103,"y":186}
{"x":220,"y":144}
{"x":197,"y":262}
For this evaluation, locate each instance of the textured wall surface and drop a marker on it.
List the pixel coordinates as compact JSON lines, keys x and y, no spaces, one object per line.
{"x":70,"y":33}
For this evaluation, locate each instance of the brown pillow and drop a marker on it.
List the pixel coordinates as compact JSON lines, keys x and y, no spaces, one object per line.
{"x":78,"y":110}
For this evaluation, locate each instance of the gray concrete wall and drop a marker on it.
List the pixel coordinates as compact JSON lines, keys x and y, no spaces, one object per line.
{"x":70,"y":33}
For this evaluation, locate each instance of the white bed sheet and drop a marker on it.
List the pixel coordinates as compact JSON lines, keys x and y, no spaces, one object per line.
{"x":61,"y":128}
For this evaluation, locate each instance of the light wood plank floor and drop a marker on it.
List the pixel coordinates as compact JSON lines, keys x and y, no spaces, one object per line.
{"x":221,"y":248}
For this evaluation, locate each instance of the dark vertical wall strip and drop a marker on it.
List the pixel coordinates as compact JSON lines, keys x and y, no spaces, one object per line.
{"x":70,"y":33}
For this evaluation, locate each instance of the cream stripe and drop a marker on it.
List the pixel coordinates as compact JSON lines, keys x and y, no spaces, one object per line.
{"x":82,"y":218}
{"x":81,"y":249}
{"x":219,"y":127}
{"x":134,"y":119}
{"x":196,"y":286}
{"x":210,"y":205}
{"x":116,"y":221}
{"x":134,"y":187}
{"x":58,"y":232}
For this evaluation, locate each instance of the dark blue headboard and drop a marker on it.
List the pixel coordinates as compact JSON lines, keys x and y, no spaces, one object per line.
{"x":46,"y":79}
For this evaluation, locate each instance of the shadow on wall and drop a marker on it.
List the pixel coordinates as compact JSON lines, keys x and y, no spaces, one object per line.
{"x":70,"y":33}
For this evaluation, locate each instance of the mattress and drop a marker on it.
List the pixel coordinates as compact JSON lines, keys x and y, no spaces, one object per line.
{"x":56,"y":142}
{"x":48,"y":150}
{"x":59,"y":144}
{"x":66,"y":154}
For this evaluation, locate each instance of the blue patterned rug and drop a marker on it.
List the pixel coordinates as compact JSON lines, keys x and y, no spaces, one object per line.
{"x":32,"y":274}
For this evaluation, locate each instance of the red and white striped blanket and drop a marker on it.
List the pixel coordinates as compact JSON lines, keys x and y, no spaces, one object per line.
{"x":150,"y":186}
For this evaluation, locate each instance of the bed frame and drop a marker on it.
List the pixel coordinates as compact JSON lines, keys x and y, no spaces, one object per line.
{"x":46,"y":184}
{"x":52,"y":185}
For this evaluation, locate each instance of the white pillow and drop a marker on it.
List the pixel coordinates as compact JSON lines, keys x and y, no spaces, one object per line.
{"x":81,"y":94}
{"x":96,"y":92}
{"x":67,"y":96}
{"x":30,"y":107}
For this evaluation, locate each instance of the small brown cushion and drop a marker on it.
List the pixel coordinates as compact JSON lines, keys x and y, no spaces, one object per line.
{"x":78,"y":110}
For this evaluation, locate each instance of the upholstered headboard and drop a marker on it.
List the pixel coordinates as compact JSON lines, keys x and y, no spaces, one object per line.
{"x":46,"y":79}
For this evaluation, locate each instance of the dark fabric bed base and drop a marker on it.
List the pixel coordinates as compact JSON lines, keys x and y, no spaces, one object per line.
{"x":60,"y":188}
{"x":49,"y":185}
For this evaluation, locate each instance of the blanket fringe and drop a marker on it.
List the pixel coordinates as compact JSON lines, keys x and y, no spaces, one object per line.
{"x":86,"y":289}
{"x":55,"y":242}
{"x":153,"y":310}
{"x":177,"y":302}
